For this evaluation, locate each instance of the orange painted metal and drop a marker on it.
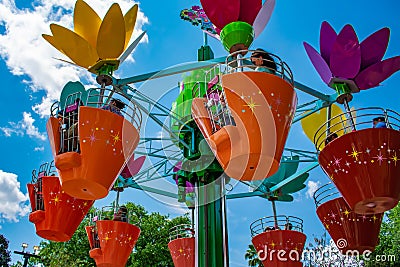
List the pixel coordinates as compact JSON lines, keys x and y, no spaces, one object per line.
{"x":106,"y":141}
{"x":182,"y":251}
{"x":349,"y":230}
{"x":62,"y":213}
{"x":365,"y":167}
{"x":280,"y":248}
{"x":116,"y":241}
{"x":263,"y":106}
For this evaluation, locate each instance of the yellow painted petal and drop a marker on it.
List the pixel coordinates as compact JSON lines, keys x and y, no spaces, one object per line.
{"x":111,"y":37}
{"x":130,"y":20}
{"x":74,"y":46}
{"x":53,"y":42}
{"x":311,"y":124}
{"x":86,"y":22}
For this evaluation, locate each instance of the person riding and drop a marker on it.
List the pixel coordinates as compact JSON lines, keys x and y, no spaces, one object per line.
{"x":379,"y":122}
{"x":115,"y":106}
{"x":121,"y":214}
{"x":263,"y":61}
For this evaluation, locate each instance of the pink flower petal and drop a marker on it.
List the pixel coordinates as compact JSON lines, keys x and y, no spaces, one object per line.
{"x":133,"y":166}
{"x":374,"y":47}
{"x":263,"y":17}
{"x":177,"y":166}
{"x":345,"y":60}
{"x":221,"y":12}
{"x":377,"y":73}
{"x":319,"y":63}
{"x":249,"y":10}
{"x":326,"y":40}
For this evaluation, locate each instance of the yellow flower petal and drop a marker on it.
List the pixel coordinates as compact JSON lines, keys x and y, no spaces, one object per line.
{"x":311,"y":124}
{"x":86,"y":22}
{"x":53,"y":42}
{"x":74,"y":46}
{"x":130,"y":20}
{"x":111,"y":37}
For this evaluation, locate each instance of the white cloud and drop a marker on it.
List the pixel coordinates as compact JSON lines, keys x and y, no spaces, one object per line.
{"x":311,"y":188}
{"x":13,"y":203}
{"x":24,"y":126}
{"x":27,"y":53}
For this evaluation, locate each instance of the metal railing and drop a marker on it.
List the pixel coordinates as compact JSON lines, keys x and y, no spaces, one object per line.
{"x":46,"y":169}
{"x":271,"y":63}
{"x":362,"y":118}
{"x":325,"y":193}
{"x":283,"y":222}
{"x":111,"y":213}
{"x":216,"y":105}
{"x":69,"y":115}
{"x":181,"y":231}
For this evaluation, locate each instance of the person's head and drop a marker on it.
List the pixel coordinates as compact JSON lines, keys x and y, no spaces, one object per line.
{"x":331,"y":137}
{"x":262,"y":58}
{"x":117,"y":103}
{"x":122,"y":210}
{"x":376,"y":120}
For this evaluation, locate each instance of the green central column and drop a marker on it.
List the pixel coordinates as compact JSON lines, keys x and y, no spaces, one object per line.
{"x":211,"y":222}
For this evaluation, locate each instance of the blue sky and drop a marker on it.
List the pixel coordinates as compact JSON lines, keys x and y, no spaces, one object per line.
{"x":32,"y":80}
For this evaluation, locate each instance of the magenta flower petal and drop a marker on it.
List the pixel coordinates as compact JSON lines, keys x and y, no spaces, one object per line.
{"x":345,"y":60}
{"x":177,"y":166}
{"x":263,"y":17}
{"x":319,"y":63}
{"x":133,"y":166}
{"x":377,"y":73}
{"x":249,"y":10}
{"x":374,"y":47}
{"x":326,"y":41}
{"x":221,"y":12}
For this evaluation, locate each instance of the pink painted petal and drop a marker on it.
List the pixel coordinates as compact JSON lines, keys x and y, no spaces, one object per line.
{"x":319,"y":63}
{"x":177,"y":166}
{"x":221,"y":12}
{"x":327,"y":39}
{"x":374,"y":47}
{"x":263,"y":17}
{"x":133,"y":166}
{"x":189,"y":187}
{"x":377,"y":73}
{"x":345,"y":60}
{"x":249,"y":10}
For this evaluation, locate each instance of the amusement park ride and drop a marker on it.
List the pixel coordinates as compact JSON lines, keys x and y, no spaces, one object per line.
{"x":229,"y":122}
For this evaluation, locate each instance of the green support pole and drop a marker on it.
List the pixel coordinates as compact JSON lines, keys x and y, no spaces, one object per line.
{"x":211,"y":225}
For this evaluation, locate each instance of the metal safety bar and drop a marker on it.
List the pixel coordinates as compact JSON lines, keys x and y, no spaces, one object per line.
{"x":270,"y":63}
{"x":181,"y":231}
{"x":362,"y":118}
{"x":284,"y":223}
{"x":325,"y":193}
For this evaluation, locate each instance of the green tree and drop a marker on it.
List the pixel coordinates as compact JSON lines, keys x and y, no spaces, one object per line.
{"x":151,"y":248}
{"x":5,"y":257}
{"x":252,"y":257}
{"x":389,"y":241}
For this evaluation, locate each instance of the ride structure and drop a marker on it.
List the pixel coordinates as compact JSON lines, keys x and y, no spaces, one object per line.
{"x":347,"y":228}
{"x":229,"y":123}
{"x":56,"y":215}
{"x":112,"y":236}
{"x":358,"y":148}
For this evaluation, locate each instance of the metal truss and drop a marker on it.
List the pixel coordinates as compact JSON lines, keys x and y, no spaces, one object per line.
{"x":164,"y":152}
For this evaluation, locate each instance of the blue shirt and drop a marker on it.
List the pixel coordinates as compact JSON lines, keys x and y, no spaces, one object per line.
{"x":112,"y":109}
{"x":380,"y":124}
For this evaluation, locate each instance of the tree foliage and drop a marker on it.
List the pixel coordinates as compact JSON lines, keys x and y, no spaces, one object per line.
{"x":151,"y":248}
{"x":5,"y":257}
{"x":389,"y":241}
{"x":252,"y":257}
